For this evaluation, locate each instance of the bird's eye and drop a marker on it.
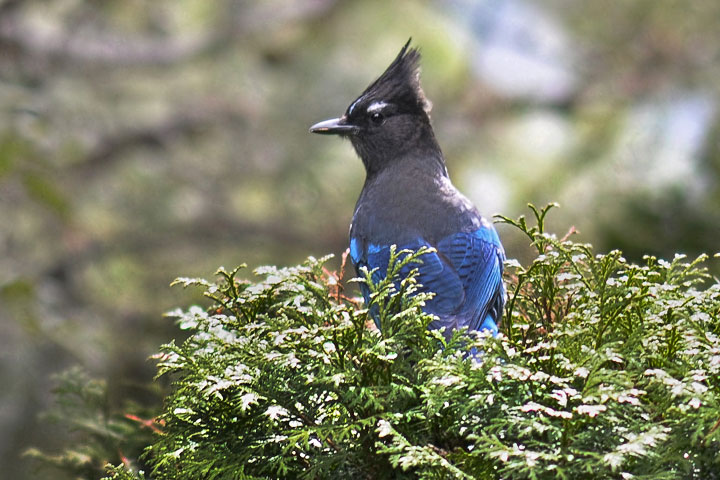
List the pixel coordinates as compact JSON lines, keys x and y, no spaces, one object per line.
{"x":377,"y":118}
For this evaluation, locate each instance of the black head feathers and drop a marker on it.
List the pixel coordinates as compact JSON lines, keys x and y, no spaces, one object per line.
{"x":399,"y":85}
{"x":389,"y":122}
{"x":390,"y":119}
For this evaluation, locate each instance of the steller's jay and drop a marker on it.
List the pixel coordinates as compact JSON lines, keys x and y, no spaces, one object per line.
{"x":408,"y":200}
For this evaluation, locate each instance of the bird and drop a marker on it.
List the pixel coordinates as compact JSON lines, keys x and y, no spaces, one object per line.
{"x":408,"y":201}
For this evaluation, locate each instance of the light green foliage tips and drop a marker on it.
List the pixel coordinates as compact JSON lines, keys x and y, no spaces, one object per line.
{"x":603,"y":370}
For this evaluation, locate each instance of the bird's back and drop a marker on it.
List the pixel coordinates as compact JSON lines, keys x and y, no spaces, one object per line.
{"x":410,"y":208}
{"x":406,"y":200}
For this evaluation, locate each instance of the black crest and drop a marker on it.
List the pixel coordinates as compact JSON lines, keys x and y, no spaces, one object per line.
{"x":399,"y":84}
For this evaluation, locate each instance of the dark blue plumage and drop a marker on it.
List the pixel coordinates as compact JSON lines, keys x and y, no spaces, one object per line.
{"x":409,"y":201}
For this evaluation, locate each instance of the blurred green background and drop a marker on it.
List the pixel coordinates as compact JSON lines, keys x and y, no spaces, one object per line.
{"x":143,"y":140}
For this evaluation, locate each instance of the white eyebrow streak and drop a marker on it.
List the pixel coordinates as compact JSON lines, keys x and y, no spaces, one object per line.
{"x":354,"y":104}
{"x":376,"y":107}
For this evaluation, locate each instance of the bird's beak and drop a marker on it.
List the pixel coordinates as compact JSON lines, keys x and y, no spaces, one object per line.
{"x":334,"y":126}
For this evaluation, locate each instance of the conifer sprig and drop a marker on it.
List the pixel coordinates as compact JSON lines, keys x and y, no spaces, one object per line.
{"x":604,"y":369}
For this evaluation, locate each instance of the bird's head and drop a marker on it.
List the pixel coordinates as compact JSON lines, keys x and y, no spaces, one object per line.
{"x":389,"y":117}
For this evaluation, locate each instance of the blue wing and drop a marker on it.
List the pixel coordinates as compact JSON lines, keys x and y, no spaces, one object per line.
{"x":465,"y":273}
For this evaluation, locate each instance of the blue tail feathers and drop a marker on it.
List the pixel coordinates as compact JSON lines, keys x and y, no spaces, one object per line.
{"x":465,"y":273}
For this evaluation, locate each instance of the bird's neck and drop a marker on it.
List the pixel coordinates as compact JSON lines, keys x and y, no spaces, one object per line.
{"x":419,"y":153}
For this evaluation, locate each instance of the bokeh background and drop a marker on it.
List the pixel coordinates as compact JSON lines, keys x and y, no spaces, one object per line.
{"x":141,"y":140}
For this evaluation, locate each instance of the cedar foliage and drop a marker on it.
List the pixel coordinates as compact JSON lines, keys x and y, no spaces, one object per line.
{"x":603,"y":369}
